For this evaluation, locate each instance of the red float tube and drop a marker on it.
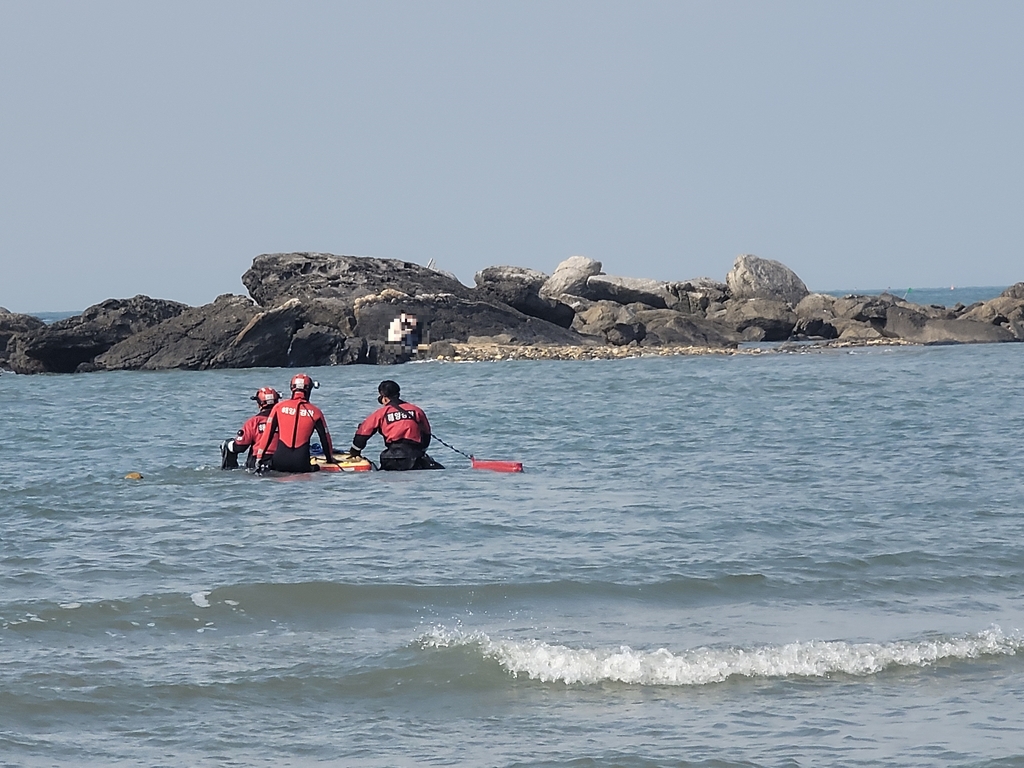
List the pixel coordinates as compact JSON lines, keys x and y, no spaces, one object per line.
{"x":496,"y":466}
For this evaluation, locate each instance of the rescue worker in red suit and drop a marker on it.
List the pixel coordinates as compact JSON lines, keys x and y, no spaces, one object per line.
{"x":245,"y":440}
{"x":403,"y":426}
{"x":292,"y":423}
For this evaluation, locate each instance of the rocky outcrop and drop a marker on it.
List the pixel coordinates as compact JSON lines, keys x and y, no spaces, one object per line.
{"x":755,"y":278}
{"x":69,"y":344}
{"x":609,"y":322}
{"x":629,"y":290}
{"x":1015,"y":291}
{"x":276,"y":277}
{"x":12,"y":323}
{"x":701,"y":296}
{"x":519,"y":288}
{"x":319,"y":309}
{"x":816,"y":317}
{"x":639,"y":324}
{"x":666,"y":327}
{"x":759,"y":319}
{"x":232,"y":332}
{"x":1006,"y":310}
{"x":453,"y":318}
{"x":190,"y":340}
{"x":910,"y":325}
{"x":570,"y":277}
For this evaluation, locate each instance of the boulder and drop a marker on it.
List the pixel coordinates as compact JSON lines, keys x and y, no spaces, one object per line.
{"x":815,"y":317}
{"x":907,"y":324}
{"x":442,"y":349}
{"x":854,"y":331}
{"x":629,"y":290}
{"x":570,"y":277}
{"x":519,"y":288}
{"x":1015,"y":291}
{"x":755,"y":278}
{"x":997,"y":311}
{"x":668,"y":327}
{"x":190,"y":340}
{"x":453,"y":318}
{"x":609,"y":321}
{"x":698,"y":296}
{"x":760,"y":319}
{"x":265,"y":340}
{"x":13,"y":323}
{"x":314,"y":345}
{"x":863,"y":309}
{"x":73,"y":343}
{"x":276,"y":277}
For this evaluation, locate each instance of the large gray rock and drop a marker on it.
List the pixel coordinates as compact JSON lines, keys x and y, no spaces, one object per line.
{"x":190,"y":340}
{"x":629,"y":290}
{"x":760,"y":319}
{"x":73,"y":343}
{"x":816,"y":317}
{"x":13,"y":323}
{"x":276,"y":277}
{"x":570,"y":277}
{"x":666,"y":326}
{"x":265,"y":340}
{"x":1015,"y":291}
{"x":453,"y":318}
{"x":863,"y":309}
{"x":519,"y":288}
{"x":997,"y":311}
{"x":755,"y":278}
{"x":698,"y":296}
{"x":232,"y":332}
{"x":608,"y":321}
{"x":314,"y":345}
{"x":1004,"y":310}
{"x":907,"y":324}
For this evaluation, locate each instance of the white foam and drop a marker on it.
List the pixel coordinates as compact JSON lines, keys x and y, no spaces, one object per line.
{"x":701,"y":666}
{"x":199,"y":598}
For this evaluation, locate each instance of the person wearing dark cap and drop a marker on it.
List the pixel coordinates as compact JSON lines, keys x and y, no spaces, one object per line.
{"x":403,"y":426}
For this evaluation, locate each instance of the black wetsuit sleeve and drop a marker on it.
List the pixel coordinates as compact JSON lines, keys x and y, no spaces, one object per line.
{"x":360,"y":441}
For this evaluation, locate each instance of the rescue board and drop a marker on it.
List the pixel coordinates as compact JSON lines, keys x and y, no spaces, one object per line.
{"x":345,"y":463}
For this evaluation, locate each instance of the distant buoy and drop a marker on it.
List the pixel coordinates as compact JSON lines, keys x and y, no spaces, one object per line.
{"x":133,"y":476}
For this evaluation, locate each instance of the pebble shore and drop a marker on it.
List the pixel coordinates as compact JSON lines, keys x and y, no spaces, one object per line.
{"x":498,"y":352}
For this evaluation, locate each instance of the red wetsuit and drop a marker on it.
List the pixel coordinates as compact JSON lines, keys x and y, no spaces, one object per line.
{"x":406,"y":434}
{"x":407,"y":424}
{"x":249,"y":435}
{"x":293,"y":422}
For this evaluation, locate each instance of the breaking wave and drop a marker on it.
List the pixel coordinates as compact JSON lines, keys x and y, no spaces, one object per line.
{"x":702,"y":666}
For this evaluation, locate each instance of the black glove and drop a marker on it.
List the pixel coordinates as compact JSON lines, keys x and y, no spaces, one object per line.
{"x":354,"y":452}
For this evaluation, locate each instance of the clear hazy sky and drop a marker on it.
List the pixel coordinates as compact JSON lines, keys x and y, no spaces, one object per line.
{"x":157,"y":148}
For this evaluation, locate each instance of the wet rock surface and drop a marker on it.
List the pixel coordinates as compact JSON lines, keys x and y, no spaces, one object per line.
{"x":68,"y":344}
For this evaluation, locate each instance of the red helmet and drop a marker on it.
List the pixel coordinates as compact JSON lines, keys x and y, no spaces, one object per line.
{"x":266,"y":397}
{"x":301,"y":381}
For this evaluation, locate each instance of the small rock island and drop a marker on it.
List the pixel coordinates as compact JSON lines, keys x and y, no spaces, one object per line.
{"x":312,"y":309}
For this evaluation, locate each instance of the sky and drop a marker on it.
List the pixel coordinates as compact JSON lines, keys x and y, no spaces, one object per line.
{"x":157,"y":148}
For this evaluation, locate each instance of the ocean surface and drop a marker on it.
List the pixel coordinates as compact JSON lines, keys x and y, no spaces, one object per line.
{"x":944,"y":297}
{"x":787,"y":559}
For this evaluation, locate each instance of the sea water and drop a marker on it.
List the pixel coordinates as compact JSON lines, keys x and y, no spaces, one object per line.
{"x":785,"y":559}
